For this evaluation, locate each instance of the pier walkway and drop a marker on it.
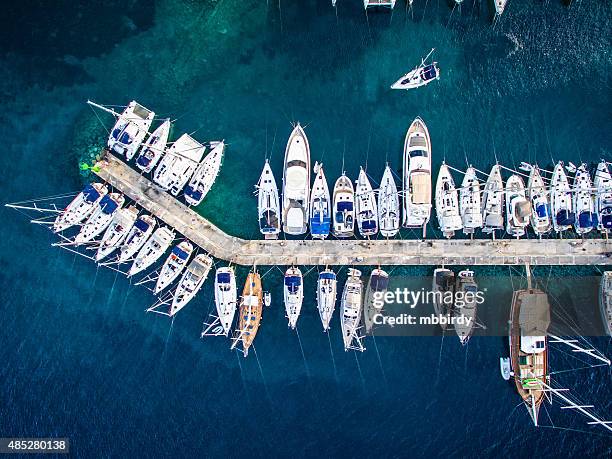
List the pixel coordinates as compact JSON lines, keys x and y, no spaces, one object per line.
{"x":345,"y":252}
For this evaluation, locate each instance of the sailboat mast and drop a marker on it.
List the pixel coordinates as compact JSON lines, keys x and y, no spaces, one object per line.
{"x":102,"y":107}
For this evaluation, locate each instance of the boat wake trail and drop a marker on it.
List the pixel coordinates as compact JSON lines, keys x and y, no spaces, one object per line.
{"x":515,"y":41}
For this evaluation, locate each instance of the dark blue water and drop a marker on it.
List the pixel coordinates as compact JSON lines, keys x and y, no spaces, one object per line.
{"x":80,"y":358}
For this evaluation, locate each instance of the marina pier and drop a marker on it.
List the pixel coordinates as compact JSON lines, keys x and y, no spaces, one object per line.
{"x":435,"y":252}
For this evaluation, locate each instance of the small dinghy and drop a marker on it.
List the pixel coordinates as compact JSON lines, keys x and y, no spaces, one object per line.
{"x":470,"y":202}
{"x":417,"y":175}
{"x":226,"y":297}
{"x":443,"y":287}
{"x":326,"y":296}
{"x":561,"y":205}
{"x":344,"y":208}
{"x":365,"y":204}
{"x":421,"y":75}
{"x":388,"y":205}
{"x":375,"y":291}
{"x":101,"y":217}
{"x":81,"y":207}
{"x":293,"y":295}
{"x":351,"y":305}
{"x":540,"y":202}
{"x":584,"y":204}
{"x":154,"y":148}
{"x":173,"y":266}
{"x":267,"y":299}
{"x":447,"y":203}
{"x":464,"y":310}
{"x":205,"y":175}
{"x":268,"y":205}
{"x":518,"y":207}
{"x":493,"y":202}
{"x":152,"y":250}
{"x":296,"y":183}
{"x":138,"y":235}
{"x":116,"y":233}
{"x":130,"y":129}
{"x":603,"y":198}
{"x":191,"y":282}
{"x":178,"y":164}
{"x":320,"y":205}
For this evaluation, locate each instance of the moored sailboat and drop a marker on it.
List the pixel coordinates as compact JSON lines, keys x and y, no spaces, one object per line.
{"x":138,"y":235}
{"x":470,"y":202}
{"x":388,"y":205}
{"x":154,"y":148}
{"x":178,"y":164}
{"x":603,"y":197}
{"x":152,"y":250}
{"x":81,"y":207}
{"x":464,"y":309}
{"x":493,"y":202}
{"x":115,"y":234}
{"x":365,"y":206}
{"x":561,"y":205}
{"x":293,"y":295}
{"x":225,"y":296}
{"x":584,"y":204}
{"x":344,"y":208}
{"x":375,"y":291}
{"x":447,"y":203}
{"x":251,"y":309}
{"x":173,"y":266}
{"x":518,"y":208}
{"x":296,"y":183}
{"x":417,"y":175}
{"x":268,"y":204}
{"x":350,"y":314}
{"x":205,"y":175}
{"x":320,"y":205}
{"x":443,"y":287}
{"x":326,"y":296}
{"x":130,"y":129}
{"x":101,"y":217}
{"x":540,"y":202}
{"x":191,"y":282}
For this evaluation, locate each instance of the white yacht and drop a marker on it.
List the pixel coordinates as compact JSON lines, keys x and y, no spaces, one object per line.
{"x":130,"y":129}
{"x":584,"y":204}
{"x":81,"y":207}
{"x":377,"y":286}
{"x":174,"y":264}
{"x":140,"y":232}
{"x":421,"y":75}
{"x":191,"y":282}
{"x":388,"y":205}
{"x":561,"y":205}
{"x":350,"y":314}
{"x":205,"y":175}
{"x":296,"y":183}
{"x":470,"y":202}
{"x":326,"y":296}
{"x":152,"y":250}
{"x":320,"y":205}
{"x":178,"y":164}
{"x":154,"y":148}
{"x":344,"y":208}
{"x":444,"y":288}
{"x":365,"y":206}
{"x":493,"y":202}
{"x":603,"y":196}
{"x":500,"y":6}
{"x":293,"y":295}
{"x":417,"y":175}
{"x":115,"y":234}
{"x":268,"y":206}
{"x":539,"y":197}
{"x":466,"y":307}
{"x":447,"y":203}
{"x":101,"y":217}
{"x":226,"y":297}
{"x":518,"y":207}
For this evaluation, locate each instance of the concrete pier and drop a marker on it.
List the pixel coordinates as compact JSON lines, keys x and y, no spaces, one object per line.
{"x":382,"y":252}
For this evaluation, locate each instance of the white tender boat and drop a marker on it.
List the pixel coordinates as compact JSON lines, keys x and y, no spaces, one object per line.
{"x":140,"y":232}
{"x":470,"y":202}
{"x":293,"y":294}
{"x":493,"y":202}
{"x":344,"y":208}
{"x":447,"y":203}
{"x":540,"y":202}
{"x":351,"y":305}
{"x":603,"y":197}
{"x":421,"y":75}
{"x":365,"y":206}
{"x":101,"y":217}
{"x":375,"y":291}
{"x":465,"y":308}
{"x":296,"y":183}
{"x":320,"y":205}
{"x":417,"y":175}
{"x":504,"y":368}
{"x":152,"y":250}
{"x":115,"y":234}
{"x":518,"y":207}
{"x":130,"y":129}
{"x":154,"y":148}
{"x":191,"y":282}
{"x":268,"y":206}
{"x":173,"y":266}
{"x":226,"y":297}
{"x":205,"y":175}
{"x":584,"y":204}
{"x":444,"y":288}
{"x":500,"y":6}
{"x":81,"y":207}
{"x":178,"y":164}
{"x":326,"y":296}
{"x":561,"y":205}
{"x":388,"y":205}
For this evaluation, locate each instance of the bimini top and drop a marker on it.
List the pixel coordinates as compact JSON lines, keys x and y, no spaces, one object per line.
{"x":268,"y":222}
{"x":108,"y":205}
{"x":379,"y":283}
{"x":369,"y":225}
{"x":91,"y":194}
{"x":180,"y":253}
{"x":542,"y":210}
{"x":327,"y":275}
{"x":141,"y":225}
{"x":320,"y":227}
{"x":196,"y":195}
{"x":345,"y":205}
{"x":421,"y":187}
{"x":429,"y":72}
{"x":587,"y":219}
{"x":293,"y":283}
{"x":223,"y":278}
{"x":564,"y":217}
{"x":606,"y":218}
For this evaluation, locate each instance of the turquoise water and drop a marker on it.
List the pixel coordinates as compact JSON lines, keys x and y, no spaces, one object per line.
{"x":80,"y":357}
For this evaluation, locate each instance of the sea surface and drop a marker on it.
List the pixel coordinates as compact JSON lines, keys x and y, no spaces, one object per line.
{"x":79,"y":357}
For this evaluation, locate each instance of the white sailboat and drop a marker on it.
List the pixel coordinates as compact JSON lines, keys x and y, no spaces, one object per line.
{"x":344,"y":208}
{"x":115,"y":234}
{"x":603,"y":197}
{"x":470,"y":202}
{"x":152,"y":250}
{"x":417,"y":175}
{"x":191,"y":282}
{"x":81,"y":207}
{"x":154,"y":148}
{"x":447,"y":203}
{"x":388,"y":205}
{"x":226,"y":296}
{"x":268,"y":205}
{"x":130,"y":129}
{"x":365,"y":206}
{"x":584,"y":204}
{"x":178,"y":164}
{"x":493,"y":202}
{"x":561,"y":205}
{"x":138,"y":235}
{"x":421,"y":75}
{"x":351,"y":305}
{"x":443,"y":285}
{"x":173,"y":266}
{"x":326,"y":296}
{"x":518,"y":207}
{"x":293,"y":293}
{"x":500,"y":6}
{"x":539,"y":197}
{"x":205,"y":175}
{"x":465,"y":313}
{"x":320,"y":205}
{"x":377,"y":287}
{"x":296,"y":183}
{"x":100,"y":218}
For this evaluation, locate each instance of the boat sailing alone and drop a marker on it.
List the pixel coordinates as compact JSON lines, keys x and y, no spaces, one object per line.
{"x":268,"y":206}
{"x":421,"y":75}
{"x":154,"y":148}
{"x":344,"y":208}
{"x":296,"y":183}
{"x":417,"y":175}
{"x":470,"y":202}
{"x":388,"y":205}
{"x":178,"y":164}
{"x":205,"y":175}
{"x":326,"y":296}
{"x":320,"y":205}
{"x":493,"y":202}
{"x":365,"y":206}
{"x":447,"y":203}
{"x":81,"y":207}
{"x":351,"y":306}
{"x":293,"y":295}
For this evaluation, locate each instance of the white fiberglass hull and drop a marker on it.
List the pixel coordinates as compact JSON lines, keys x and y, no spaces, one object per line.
{"x":518,"y":208}
{"x":152,"y":250}
{"x":101,"y":218}
{"x":351,"y":305}
{"x":117,"y":231}
{"x":173,"y":266}
{"x":344,"y":208}
{"x":561,"y":205}
{"x":320,"y":205}
{"x":447,"y":203}
{"x":584,"y":204}
{"x":296,"y":183}
{"x":493,"y":202}
{"x":388,"y":205}
{"x":130,"y":129}
{"x":293,"y":292}
{"x":417,"y":175}
{"x":138,"y":235}
{"x":326,"y":296}
{"x":365,"y":206}
{"x":154,"y":148}
{"x":603,"y":197}
{"x":178,"y":164}
{"x":205,"y":175}
{"x":81,"y":207}
{"x":540,"y":202}
{"x":268,"y":204}
{"x":191,"y":282}
{"x":470,"y":202}
{"x":226,"y":297}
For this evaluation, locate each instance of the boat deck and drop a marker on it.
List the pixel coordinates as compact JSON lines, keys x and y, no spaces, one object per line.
{"x":382,"y":252}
